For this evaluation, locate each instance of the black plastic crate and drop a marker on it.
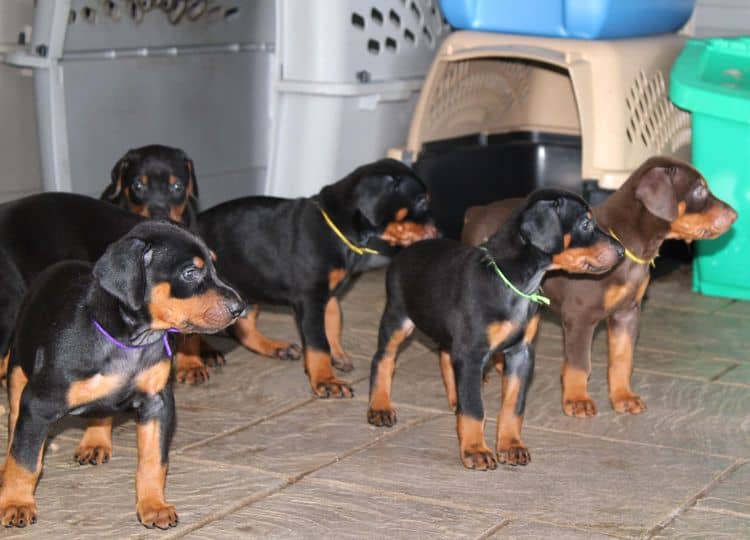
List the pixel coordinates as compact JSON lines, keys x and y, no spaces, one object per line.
{"x":479,"y":169}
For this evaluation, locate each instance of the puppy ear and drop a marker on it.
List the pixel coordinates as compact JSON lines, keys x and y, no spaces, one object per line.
{"x":115,"y":187}
{"x":192,"y":187}
{"x":121,"y":271}
{"x":656,"y":192}
{"x":371,"y":191}
{"x":541,"y":227}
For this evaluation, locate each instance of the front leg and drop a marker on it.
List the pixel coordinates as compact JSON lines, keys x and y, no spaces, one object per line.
{"x":318,"y":365}
{"x":190,"y":366}
{"x":23,"y":464}
{"x":96,"y":445}
{"x":518,"y":371}
{"x":154,"y":429}
{"x":622,"y":330}
{"x":577,"y":336}
{"x":473,"y":450}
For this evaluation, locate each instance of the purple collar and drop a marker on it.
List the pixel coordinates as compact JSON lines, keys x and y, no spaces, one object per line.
{"x":120,"y":345}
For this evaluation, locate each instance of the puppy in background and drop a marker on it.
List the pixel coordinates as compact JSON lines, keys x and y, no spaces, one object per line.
{"x":159,"y":182}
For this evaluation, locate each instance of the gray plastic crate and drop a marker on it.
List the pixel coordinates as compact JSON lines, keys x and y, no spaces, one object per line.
{"x":276,"y":97}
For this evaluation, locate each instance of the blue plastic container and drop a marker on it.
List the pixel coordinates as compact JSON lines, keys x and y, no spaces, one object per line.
{"x":579,"y":19}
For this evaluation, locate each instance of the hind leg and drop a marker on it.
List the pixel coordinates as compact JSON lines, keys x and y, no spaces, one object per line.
{"x":339,"y":357}
{"x":246,"y":331}
{"x":395,"y":327}
{"x":190,"y":366}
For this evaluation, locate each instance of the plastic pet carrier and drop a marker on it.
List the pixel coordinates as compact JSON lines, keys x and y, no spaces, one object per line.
{"x":275,"y":97}
{"x":500,"y":115}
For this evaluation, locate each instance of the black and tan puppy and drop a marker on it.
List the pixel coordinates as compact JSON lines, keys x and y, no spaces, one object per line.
{"x":157,"y":182}
{"x":303,"y":253}
{"x":93,"y":341}
{"x":475,"y":302}
{"x":664,"y":198}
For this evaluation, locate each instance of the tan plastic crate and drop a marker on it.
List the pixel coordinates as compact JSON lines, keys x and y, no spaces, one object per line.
{"x":611,"y":93}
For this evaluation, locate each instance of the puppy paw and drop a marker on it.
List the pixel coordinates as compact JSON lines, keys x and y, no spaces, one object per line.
{"x":579,"y":407}
{"x":195,"y":374}
{"x":157,"y":514}
{"x":18,"y":514}
{"x":627,"y":402}
{"x":93,"y":454}
{"x":333,"y":387}
{"x":292,"y":352}
{"x":342,"y":363}
{"x":213,"y":358}
{"x":480,"y":459}
{"x":381,"y":417}
{"x":515,"y":454}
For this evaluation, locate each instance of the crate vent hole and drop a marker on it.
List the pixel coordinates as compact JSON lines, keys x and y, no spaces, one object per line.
{"x":373,"y":46}
{"x":394,"y":18}
{"x":71,"y":16}
{"x":231,"y":13}
{"x":415,"y":10}
{"x":89,"y":15}
{"x":427,"y":35}
{"x":409,"y":36}
{"x":358,"y":21}
{"x":376,"y":16}
{"x":391,"y":45}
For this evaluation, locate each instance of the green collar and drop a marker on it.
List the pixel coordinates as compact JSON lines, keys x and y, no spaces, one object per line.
{"x":536,"y":297}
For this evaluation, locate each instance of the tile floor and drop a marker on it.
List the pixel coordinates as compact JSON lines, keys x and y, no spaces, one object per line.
{"x":255,"y":456}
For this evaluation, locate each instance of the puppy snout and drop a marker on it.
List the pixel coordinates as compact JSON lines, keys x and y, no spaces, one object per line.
{"x":236,"y":308}
{"x":726,"y":218}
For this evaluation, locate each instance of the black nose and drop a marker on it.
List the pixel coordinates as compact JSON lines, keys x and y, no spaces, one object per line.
{"x":236,"y":307}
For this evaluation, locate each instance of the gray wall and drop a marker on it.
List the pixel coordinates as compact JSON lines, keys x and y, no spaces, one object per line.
{"x":720,"y":18}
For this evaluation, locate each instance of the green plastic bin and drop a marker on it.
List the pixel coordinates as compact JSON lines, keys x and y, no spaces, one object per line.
{"x":711,"y":78}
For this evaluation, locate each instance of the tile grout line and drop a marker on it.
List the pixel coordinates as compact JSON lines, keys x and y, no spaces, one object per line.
{"x":666,"y":522}
{"x":243,"y":427}
{"x":292,"y":480}
{"x":723,"y":372}
{"x":492,"y":530}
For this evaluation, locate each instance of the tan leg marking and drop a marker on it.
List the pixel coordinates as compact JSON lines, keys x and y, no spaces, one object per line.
{"x":449,"y":379}
{"x":190,"y":366}
{"x":621,"y":396}
{"x":510,"y":448}
{"x":248,"y":334}
{"x":322,"y":380}
{"x":150,"y":479}
{"x":332,"y":319}
{"x":576,"y":400}
{"x":17,"y":505}
{"x":95,"y":447}
{"x":473,"y":450}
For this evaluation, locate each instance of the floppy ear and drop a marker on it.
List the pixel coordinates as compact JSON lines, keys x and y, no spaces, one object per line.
{"x":371,"y":190}
{"x":192,"y":187}
{"x":121,"y":271}
{"x":115,"y":188}
{"x":656,"y":192}
{"x":541,"y":227}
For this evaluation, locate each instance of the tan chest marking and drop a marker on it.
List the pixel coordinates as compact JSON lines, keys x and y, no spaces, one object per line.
{"x":93,"y":388}
{"x":498,"y":332}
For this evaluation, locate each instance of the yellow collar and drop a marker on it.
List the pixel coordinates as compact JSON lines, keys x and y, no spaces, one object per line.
{"x":630,"y":255}
{"x":356,"y":249}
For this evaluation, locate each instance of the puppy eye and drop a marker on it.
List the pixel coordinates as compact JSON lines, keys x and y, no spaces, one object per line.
{"x":177,"y":187}
{"x":700,"y":191}
{"x":191,"y":273}
{"x":137,"y":185}
{"x":587,"y":225}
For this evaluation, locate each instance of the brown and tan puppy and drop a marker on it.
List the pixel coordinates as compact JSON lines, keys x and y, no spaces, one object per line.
{"x":664,"y":198}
